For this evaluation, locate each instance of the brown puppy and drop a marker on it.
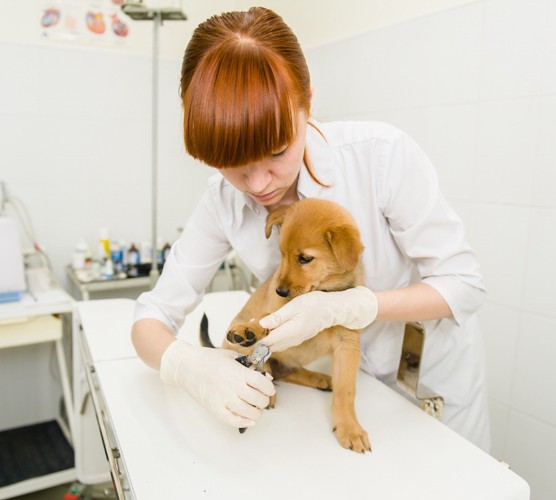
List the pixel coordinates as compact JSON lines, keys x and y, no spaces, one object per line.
{"x":321,"y":250}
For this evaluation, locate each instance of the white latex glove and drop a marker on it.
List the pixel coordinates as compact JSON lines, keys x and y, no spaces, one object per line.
{"x":305,"y":316}
{"x":233,"y":393}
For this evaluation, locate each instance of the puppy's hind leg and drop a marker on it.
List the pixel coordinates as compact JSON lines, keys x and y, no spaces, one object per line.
{"x":309,"y":378}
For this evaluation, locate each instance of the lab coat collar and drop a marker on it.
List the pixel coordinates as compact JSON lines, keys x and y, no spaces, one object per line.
{"x":321,"y":156}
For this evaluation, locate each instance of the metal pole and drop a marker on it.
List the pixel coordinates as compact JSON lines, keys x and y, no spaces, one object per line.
{"x":140,"y":12}
{"x":155,"y":273}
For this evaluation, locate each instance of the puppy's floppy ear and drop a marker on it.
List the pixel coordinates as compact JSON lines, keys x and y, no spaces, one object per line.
{"x":275,"y":218}
{"x":346,"y":245}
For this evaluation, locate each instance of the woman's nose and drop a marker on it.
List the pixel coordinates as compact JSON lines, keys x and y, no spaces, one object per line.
{"x":258,"y":178}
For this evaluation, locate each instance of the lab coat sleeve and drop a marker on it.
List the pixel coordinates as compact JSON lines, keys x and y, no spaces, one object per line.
{"x":426,"y":228}
{"x":191,"y":264}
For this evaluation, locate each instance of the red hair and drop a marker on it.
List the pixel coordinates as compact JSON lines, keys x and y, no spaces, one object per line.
{"x":244,"y":80}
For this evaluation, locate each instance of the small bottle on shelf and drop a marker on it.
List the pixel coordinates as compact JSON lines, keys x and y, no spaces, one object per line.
{"x":133,"y":260}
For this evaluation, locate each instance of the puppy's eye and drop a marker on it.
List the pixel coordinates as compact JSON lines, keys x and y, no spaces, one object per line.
{"x":304,"y":259}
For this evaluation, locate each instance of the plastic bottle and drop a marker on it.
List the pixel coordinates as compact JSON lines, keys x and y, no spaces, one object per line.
{"x":80,"y":255}
{"x":123,"y":246}
{"x":117,"y":255}
{"x":105,"y":242}
{"x":133,"y":255}
{"x":146,"y":252}
{"x":133,"y":260}
{"x":108,"y":269}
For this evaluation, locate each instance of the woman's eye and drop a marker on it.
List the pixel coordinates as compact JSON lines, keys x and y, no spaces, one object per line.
{"x":280,"y":153}
{"x":304,"y":259}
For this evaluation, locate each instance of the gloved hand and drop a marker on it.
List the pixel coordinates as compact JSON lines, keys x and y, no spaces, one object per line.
{"x":233,"y":393}
{"x":305,"y":316}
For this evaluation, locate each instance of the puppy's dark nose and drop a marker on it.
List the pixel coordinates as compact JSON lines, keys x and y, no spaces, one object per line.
{"x":283,"y":292}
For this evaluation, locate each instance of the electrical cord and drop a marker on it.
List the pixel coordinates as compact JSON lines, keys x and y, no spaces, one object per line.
{"x":27,"y":224}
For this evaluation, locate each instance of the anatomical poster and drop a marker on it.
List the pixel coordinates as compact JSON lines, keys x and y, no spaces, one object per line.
{"x":84,"y":21}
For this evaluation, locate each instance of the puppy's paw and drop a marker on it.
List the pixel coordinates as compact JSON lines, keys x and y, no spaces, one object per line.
{"x":352,"y":437}
{"x":246,"y":335}
{"x":322,"y":381}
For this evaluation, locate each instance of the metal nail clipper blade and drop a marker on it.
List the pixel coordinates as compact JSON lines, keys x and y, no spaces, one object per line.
{"x":256,"y":361}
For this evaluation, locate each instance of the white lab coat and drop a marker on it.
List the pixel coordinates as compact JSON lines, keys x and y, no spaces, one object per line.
{"x":409,"y":231}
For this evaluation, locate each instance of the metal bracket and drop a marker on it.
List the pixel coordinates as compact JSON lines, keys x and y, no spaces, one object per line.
{"x":410,"y":367}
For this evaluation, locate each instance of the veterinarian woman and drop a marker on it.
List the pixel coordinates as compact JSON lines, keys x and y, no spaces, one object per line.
{"x":246,"y":98}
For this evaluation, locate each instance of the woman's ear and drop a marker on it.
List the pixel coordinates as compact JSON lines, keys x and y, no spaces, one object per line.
{"x":275,"y":218}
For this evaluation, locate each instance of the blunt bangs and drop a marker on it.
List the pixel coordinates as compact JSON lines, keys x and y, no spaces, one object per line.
{"x":241,"y":105}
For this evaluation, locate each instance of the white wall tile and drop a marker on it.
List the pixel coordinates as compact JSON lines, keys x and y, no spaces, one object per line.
{"x":500,"y":326}
{"x":169,"y":102}
{"x":448,"y":135}
{"x":539,"y":292}
{"x":333,"y":94}
{"x":507,"y":137}
{"x":499,"y":417}
{"x":545,"y":182}
{"x":499,"y":235}
{"x":92,"y":82}
{"x":513,"y":48}
{"x":533,"y":369}
{"x":19,"y":82}
{"x":20,"y":146}
{"x":402,"y":66}
{"x":549,"y":68}
{"x":531,"y":453}
{"x":544,"y":175}
{"x":466,"y":212}
{"x":452,"y":52}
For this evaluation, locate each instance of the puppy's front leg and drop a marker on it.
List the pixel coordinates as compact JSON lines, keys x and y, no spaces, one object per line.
{"x":345,"y":364}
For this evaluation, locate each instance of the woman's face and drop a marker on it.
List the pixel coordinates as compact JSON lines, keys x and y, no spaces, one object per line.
{"x":272,"y":181}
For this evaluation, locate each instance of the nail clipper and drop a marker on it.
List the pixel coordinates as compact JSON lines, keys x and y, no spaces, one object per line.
{"x":256,"y":361}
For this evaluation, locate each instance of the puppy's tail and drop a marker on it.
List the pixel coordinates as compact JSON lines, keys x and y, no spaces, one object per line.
{"x":204,"y":332}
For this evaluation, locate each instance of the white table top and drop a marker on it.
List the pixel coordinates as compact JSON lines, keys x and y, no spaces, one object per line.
{"x":54,"y":301}
{"x":174,"y":449}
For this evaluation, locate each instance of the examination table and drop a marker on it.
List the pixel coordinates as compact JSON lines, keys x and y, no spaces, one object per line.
{"x":162,"y":444}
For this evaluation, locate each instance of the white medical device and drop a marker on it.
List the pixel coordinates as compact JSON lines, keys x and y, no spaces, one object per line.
{"x":12,"y":275}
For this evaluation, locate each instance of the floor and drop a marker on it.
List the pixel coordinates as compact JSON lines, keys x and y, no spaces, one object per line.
{"x":94,"y":492}
{"x":56,"y":493}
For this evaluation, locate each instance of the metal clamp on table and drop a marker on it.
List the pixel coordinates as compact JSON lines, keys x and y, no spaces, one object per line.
{"x":410,"y":369}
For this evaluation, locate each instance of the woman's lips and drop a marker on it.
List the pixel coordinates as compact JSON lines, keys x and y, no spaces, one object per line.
{"x":264,"y":197}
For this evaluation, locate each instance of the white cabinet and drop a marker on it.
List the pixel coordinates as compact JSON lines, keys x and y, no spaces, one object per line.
{"x":31,"y":321}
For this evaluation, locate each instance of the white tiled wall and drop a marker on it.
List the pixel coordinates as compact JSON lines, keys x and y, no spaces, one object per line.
{"x":476,"y":86}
